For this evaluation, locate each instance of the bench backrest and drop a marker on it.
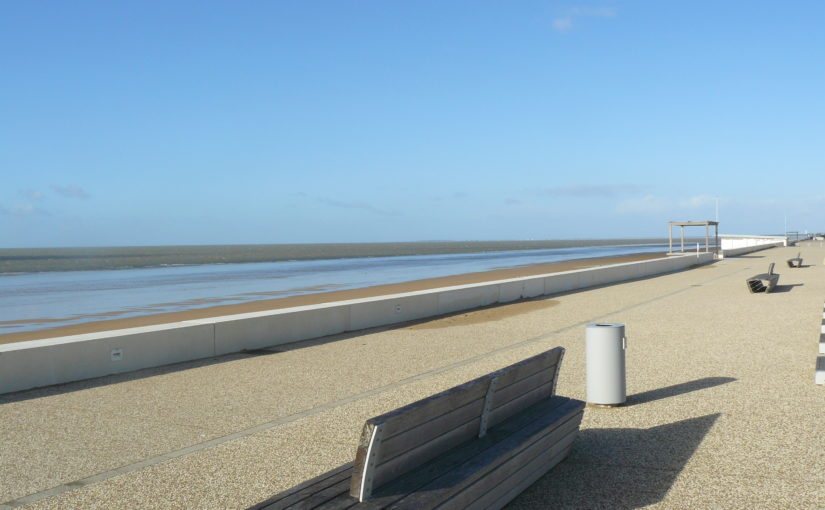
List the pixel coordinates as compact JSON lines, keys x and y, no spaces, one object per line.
{"x":396,"y":442}
{"x":770,"y":268}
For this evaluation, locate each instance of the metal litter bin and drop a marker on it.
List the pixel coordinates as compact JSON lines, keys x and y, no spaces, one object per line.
{"x":605,"y":346}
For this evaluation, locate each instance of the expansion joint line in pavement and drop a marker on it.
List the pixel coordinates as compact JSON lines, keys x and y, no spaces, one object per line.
{"x":77,"y":484}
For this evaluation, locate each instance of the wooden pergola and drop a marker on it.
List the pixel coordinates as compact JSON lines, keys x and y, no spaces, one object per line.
{"x":683,"y":224}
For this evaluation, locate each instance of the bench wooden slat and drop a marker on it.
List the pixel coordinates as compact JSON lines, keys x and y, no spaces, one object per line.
{"x":512,"y":437}
{"x":473,"y":472}
{"x":429,"y":473}
{"x":520,"y":481}
{"x":430,"y":408}
{"x":494,"y":490}
{"x":519,"y":404}
{"x":343,"y":502}
{"x":401,"y":443}
{"x":424,"y":410}
{"x":306,"y":489}
{"x":504,"y":396}
{"x":407,"y":440}
{"x":424,"y":452}
{"x":323,"y":496}
{"x":523,"y":369}
{"x":416,"y":413}
{"x":373,"y":467}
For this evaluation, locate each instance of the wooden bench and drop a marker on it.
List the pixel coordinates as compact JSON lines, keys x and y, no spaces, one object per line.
{"x":765,"y":282}
{"x":477,"y":445}
{"x":796,"y":261}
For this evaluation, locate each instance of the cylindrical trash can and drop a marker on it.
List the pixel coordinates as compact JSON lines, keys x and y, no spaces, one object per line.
{"x":605,"y":346}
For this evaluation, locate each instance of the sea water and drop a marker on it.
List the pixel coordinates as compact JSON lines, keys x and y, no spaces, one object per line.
{"x":37,"y":292}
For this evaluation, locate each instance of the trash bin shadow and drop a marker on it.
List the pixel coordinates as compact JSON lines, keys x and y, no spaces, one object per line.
{"x":618,"y":468}
{"x":676,"y":389}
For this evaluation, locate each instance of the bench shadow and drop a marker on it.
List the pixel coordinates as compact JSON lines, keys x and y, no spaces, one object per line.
{"x":618,"y":468}
{"x":676,"y":389}
{"x":786,"y":288}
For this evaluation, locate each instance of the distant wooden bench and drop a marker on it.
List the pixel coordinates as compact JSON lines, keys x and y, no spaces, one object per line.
{"x":796,"y":261}
{"x":765,"y":282}
{"x":477,"y":445}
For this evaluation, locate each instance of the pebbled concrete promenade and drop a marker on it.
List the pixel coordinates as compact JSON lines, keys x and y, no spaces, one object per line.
{"x":722,"y":410}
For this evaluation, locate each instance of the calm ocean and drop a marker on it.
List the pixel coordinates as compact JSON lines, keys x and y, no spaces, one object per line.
{"x":46,"y":288}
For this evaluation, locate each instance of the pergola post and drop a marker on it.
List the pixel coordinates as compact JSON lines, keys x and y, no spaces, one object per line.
{"x":707,"y":238}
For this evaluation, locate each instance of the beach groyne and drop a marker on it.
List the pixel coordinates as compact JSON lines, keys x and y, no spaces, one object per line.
{"x":37,"y":363}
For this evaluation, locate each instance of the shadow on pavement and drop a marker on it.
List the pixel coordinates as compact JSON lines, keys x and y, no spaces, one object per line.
{"x":677,"y":389}
{"x":786,"y":288}
{"x":618,"y":468}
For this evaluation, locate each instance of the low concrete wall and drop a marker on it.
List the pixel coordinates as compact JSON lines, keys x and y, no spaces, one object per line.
{"x":36,"y":363}
{"x":733,"y":252}
{"x":733,"y":242}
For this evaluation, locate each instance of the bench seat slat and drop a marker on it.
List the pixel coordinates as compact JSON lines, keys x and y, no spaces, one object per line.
{"x":512,"y":437}
{"x":543,"y":454}
{"x":323,"y":496}
{"x":524,"y":478}
{"x":306,"y":489}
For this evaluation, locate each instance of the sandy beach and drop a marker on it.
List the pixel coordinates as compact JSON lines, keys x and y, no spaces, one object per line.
{"x":323,"y":297}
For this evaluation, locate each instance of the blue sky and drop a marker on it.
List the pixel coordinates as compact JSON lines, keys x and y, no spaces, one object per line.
{"x":347,"y":121}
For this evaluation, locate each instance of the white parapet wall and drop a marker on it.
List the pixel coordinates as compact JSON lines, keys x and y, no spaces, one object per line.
{"x":36,"y":363}
{"x":733,"y":245}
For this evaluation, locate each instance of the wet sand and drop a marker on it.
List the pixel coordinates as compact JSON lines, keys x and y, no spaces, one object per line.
{"x":322,"y":297}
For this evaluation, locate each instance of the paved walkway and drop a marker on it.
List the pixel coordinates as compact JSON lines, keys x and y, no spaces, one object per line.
{"x":722,"y":411}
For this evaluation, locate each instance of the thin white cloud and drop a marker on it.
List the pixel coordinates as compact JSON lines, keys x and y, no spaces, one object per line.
{"x":599,"y":12}
{"x":70,"y":191}
{"x":658,"y":204}
{"x":23,"y":210}
{"x":456,"y":195}
{"x":32,"y":194}
{"x":563,"y":24}
{"x":566,"y":21}
{"x":593,"y":190}
{"x":358,"y":205}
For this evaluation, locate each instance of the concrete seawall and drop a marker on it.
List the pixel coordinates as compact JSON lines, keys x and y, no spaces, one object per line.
{"x":37,"y":363}
{"x":733,"y":252}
